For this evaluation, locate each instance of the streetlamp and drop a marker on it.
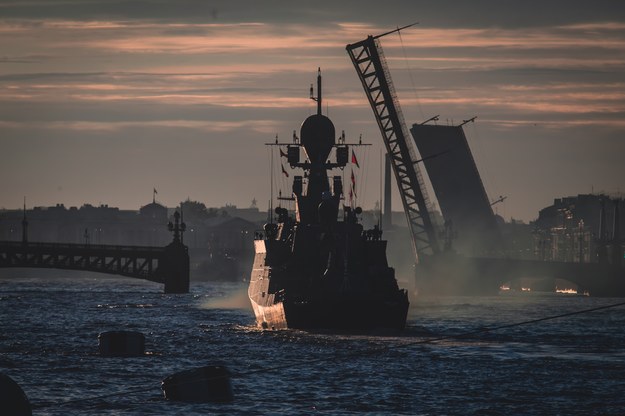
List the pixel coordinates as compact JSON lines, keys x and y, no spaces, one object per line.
{"x":194,"y":234}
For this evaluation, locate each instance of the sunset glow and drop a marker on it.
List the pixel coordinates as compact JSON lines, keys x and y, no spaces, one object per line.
{"x":248,"y":79}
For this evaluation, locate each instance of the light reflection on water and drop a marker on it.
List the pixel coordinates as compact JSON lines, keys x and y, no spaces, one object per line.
{"x":48,"y":344}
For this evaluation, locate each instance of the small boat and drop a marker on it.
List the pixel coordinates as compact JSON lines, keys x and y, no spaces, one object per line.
{"x":316,"y":268}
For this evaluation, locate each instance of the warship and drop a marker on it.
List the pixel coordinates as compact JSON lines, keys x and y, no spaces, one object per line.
{"x":316,"y":269}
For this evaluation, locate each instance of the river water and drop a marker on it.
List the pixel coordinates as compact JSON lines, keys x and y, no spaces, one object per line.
{"x":50,"y":320}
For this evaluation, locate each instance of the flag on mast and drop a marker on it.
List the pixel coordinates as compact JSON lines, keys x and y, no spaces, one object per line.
{"x":352,"y":191}
{"x":284,"y":170}
{"x":354,"y":160}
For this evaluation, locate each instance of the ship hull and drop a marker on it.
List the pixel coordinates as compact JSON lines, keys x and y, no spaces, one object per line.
{"x":277,"y":306}
{"x":341,"y":315}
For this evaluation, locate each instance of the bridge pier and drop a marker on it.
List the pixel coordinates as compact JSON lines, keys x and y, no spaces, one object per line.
{"x":175,"y":268}
{"x":450,"y":273}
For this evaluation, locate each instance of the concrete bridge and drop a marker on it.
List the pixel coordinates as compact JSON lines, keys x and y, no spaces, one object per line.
{"x":168,"y":265}
{"x":452,"y":273}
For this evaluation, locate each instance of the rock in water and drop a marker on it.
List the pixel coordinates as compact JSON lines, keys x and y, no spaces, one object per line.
{"x":13,"y":400}
{"x":121,"y":344}
{"x":205,"y":384}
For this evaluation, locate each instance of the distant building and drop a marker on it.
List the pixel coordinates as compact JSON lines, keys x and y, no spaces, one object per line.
{"x":220,"y":244}
{"x":518,"y":237}
{"x":154,"y":212}
{"x":582,"y":228}
{"x":252,"y":214}
{"x":89,"y":225}
{"x":220,"y":247}
{"x":150,"y":228}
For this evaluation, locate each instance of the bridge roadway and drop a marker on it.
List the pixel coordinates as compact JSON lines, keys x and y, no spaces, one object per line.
{"x":168,"y":265}
{"x":451,"y":273}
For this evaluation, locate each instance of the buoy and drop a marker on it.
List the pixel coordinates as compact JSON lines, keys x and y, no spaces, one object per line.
{"x":205,"y":384}
{"x":121,"y":344}
{"x":13,"y":400}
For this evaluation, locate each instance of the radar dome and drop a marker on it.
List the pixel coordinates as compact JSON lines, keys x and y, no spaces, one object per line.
{"x":317,"y":135}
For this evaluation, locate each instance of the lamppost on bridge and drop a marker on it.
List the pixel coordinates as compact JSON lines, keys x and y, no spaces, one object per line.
{"x":177,"y":228}
{"x":176,"y":261}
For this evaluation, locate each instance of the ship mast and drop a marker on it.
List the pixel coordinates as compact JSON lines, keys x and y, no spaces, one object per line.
{"x":318,"y":97}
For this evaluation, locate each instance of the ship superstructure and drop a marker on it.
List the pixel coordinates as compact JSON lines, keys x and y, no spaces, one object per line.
{"x":319,"y":268}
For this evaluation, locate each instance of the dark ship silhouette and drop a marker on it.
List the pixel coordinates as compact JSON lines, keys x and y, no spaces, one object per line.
{"x":313,"y":271}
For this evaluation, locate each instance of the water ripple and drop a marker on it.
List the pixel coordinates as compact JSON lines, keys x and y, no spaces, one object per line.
{"x":48,"y":344}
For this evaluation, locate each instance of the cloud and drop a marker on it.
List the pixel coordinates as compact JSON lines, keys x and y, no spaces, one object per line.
{"x":24,"y":59}
{"x":443,"y":13}
{"x":259,"y":126}
{"x":193,"y":73}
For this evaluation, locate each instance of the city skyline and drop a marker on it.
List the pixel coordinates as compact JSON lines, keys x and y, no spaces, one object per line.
{"x":104,"y":101}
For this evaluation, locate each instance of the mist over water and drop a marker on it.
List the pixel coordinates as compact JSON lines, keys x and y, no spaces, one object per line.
{"x":236,"y":298}
{"x":48,"y":344}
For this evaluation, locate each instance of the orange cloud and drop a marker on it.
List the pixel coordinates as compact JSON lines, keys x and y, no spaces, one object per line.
{"x":260,"y":126}
{"x":234,"y":65}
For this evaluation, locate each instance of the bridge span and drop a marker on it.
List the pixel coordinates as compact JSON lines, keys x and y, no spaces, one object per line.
{"x":167,"y":265}
{"x":453,"y":273}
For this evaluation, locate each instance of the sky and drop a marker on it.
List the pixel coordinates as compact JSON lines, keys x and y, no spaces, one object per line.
{"x":102,"y":101}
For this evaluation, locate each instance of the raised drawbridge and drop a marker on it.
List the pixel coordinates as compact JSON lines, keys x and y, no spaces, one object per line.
{"x":368,"y":59}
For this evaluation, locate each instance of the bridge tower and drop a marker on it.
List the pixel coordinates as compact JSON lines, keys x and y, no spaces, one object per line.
{"x":617,"y":248}
{"x":24,"y":226}
{"x":175,"y":262}
{"x":602,"y":251}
